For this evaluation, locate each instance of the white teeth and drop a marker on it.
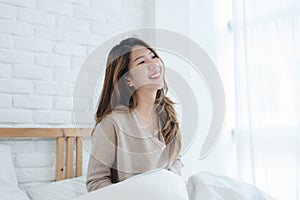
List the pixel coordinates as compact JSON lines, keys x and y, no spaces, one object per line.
{"x":155,"y":75}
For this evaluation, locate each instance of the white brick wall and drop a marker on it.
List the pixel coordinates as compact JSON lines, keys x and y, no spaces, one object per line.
{"x":16,"y":3}
{"x":37,"y":45}
{"x":8,"y":11}
{"x":34,"y":73}
{"x":16,"y":116}
{"x":14,"y":86}
{"x":52,"y":33}
{"x":55,"y":6}
{"x":6,"y":41}
{"x":43,"y":44}
{"x":33,"y":101}
{"x":5,"y":101}
{"x":34,"y":160}
{"x":16,"y":57}
{"x":12,"y":27}
{"x":5,"y":70}
{"x":36,"y":17}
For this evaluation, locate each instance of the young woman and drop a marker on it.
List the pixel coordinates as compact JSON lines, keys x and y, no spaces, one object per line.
{"x":136,"y":125}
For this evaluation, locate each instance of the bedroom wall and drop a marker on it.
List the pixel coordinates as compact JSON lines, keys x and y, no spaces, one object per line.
{"x":42,"y":46}
{"x":206,"y":22}
{"x":210,"y":30}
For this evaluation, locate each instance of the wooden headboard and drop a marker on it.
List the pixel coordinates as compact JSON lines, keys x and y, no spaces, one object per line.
{"x":62,"y":135}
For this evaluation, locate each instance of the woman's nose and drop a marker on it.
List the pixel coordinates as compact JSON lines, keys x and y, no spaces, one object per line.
{"x":152,"y":66}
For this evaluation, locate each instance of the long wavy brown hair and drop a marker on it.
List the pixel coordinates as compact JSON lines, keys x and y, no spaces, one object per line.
{"x":117,"y":92}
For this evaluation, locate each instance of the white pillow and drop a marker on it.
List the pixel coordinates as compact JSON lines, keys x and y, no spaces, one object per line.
{"x":158,"y":184}
{"x":206,"y":186}
{"x":8,"y":177}
{"x":60,"y":190}
{"x":9,"y":189}
{"x":12,"y":194}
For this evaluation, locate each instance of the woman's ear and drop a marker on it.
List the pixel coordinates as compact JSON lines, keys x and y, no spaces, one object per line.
{"x":129,"y":82}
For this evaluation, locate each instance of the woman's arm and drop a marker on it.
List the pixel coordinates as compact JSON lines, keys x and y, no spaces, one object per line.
{"x":102,"y":155}
{"x":176,"y":166}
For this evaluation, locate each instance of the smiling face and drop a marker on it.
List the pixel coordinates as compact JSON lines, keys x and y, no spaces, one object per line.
{"x":145,"y":69}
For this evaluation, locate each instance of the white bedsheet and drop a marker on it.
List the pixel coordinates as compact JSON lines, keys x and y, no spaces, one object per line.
{"x":12,"y":194}
{"x":207,"y":186}
{"x":60,"y":190}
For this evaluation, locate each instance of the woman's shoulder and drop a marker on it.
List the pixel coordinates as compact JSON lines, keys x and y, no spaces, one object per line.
{"x":112,"y":123}
{"x":121,"y":109}
{"x":119,"y":114}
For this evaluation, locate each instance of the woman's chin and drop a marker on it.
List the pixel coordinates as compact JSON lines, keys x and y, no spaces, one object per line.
{"x":152,"y":86}
{"x":156,"y":86}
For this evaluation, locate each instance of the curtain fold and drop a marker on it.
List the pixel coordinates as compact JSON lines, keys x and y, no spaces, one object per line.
{"x":267,"y":79}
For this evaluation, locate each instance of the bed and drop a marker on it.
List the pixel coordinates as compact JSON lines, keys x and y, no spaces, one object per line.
{"x":158,"y":184}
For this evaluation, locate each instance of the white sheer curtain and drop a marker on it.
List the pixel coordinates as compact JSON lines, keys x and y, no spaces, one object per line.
{"x":267,"y":78}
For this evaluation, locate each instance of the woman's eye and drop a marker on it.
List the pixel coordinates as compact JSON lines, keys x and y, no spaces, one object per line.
{"x":141,"y":62}
{"x":154,"y":56}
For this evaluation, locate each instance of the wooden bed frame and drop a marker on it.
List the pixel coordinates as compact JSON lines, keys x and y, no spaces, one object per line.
{"x":62,"y":135}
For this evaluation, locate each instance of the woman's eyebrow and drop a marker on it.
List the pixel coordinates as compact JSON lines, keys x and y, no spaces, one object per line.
{"x":138,"y":58}
{"x":141,"y":56}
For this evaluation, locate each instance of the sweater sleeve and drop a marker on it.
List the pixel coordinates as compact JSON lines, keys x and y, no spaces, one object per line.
{"x":102,"y":155}
{"x":176,"y":166}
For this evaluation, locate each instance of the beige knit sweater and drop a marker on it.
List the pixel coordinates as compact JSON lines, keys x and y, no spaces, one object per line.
{"x":122,"y":148}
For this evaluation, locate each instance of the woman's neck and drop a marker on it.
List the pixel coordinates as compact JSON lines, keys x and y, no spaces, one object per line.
{"x":145,"y":102}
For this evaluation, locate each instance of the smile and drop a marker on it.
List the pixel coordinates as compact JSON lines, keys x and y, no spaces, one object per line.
{"x":155,"y":75}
